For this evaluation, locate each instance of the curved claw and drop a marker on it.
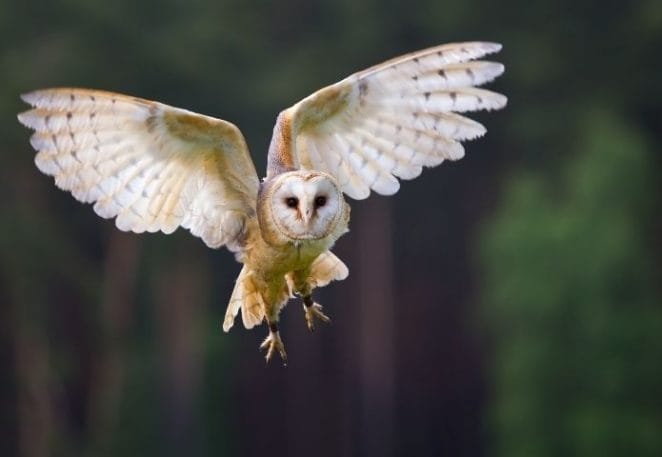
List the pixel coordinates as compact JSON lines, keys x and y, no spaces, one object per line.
{"x":314,"y":311}
{"x":273,"y":343}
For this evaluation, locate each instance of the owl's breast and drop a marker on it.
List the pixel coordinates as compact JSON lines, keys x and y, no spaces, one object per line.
{"x":270,"y":261}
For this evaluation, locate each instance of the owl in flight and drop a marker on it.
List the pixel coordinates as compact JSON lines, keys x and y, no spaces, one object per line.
{"x":154,"y":167}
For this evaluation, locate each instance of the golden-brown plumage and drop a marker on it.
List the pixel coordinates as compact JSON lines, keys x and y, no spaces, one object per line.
{"x":154,"y":167}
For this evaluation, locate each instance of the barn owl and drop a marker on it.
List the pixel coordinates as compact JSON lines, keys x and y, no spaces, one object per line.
{"x":154,"y":167}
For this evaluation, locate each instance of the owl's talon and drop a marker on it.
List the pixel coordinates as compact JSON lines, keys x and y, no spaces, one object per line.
{"x":313,"y":311}
{"x":273,"y":343}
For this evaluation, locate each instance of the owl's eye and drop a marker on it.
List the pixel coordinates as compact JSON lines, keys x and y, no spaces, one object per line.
{"x":320,"y":201}
{"x":292,"y":202}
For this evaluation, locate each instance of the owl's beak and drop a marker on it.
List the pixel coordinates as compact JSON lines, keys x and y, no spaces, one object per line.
{"x":306,"y":214}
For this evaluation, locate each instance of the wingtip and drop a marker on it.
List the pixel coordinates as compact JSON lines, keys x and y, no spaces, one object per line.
{"x":500,"y":102}
{"x":30,"y":97}
{"x":491,"y":46}
{"x":478,"y":48}
{"x":23,"y":118}
{"x":29,"y":119}
{"x":496,"y":69}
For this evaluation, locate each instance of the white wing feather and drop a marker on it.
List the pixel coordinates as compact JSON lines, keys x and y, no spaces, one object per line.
{"x":152,"y":166}
{"x":393,"y":119}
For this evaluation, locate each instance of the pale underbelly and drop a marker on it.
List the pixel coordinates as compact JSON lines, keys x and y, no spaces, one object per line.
{"x":274,"y":262}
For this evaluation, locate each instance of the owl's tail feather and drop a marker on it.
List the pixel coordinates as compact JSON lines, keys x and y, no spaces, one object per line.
{"x":326,"y":268}
{"x":245,"y":297}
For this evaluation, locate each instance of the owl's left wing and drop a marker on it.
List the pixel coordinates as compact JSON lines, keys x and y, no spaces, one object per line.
{"x":152,"y":166}
{"x":393,"y":119}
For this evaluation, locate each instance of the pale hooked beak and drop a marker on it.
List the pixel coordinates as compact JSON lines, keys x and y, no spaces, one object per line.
{"x":306,"y":214}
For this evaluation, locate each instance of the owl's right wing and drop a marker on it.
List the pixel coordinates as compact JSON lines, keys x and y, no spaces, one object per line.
{"x":153,"y":166}
{"x":391,"y":120}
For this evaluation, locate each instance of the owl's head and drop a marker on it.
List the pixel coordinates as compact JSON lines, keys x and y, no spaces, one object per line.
{"x":304,"y":205}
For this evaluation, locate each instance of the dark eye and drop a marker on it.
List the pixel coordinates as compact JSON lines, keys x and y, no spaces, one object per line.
{"x":292,"y":202}
{"x":320,"y":201}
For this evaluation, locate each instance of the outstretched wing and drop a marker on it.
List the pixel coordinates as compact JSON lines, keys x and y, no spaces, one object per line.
{"x":393,"y":119}
{"x":152,"y":166}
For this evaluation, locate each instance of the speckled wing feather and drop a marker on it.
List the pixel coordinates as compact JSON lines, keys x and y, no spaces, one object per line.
{"x":393,"y":119}
{"x":152,"y":166}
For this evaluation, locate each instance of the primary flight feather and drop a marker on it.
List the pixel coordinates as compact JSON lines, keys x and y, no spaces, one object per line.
{"x":154,"y":167}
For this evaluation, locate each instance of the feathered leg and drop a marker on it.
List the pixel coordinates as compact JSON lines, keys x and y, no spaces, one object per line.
{"x":274,"y":296}
{"x":304,"y":289}
{"x":312,"y":311}
{"x":273,"y":343}
{"x":326,"y":268}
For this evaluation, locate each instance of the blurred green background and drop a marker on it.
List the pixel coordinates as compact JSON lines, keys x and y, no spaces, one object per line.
{"x":505,"y":305}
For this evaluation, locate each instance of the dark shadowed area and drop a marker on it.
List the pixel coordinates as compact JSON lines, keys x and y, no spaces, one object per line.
{"x":508,"y":304}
